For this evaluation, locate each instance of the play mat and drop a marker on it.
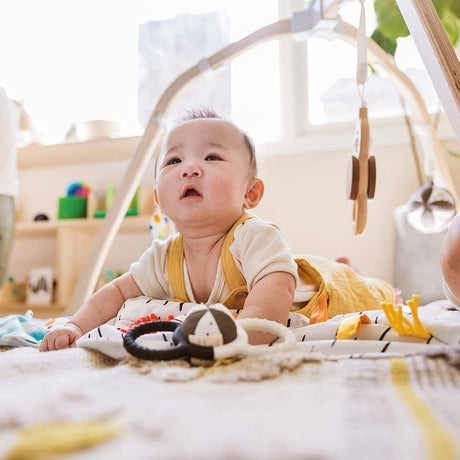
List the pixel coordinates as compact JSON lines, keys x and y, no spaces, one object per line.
{"x":350,"y":387}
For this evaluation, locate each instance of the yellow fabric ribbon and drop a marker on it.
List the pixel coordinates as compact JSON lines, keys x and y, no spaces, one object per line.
{"x":351,"y":325}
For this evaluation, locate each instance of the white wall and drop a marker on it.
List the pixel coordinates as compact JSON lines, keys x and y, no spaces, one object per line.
{"x":306,"y":197}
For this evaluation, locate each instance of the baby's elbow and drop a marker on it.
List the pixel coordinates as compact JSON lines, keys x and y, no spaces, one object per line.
{"x":290,"y":288}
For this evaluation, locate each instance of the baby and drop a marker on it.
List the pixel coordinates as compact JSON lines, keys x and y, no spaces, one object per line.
{"x":450,"y":262}
{"x":206,"y":181}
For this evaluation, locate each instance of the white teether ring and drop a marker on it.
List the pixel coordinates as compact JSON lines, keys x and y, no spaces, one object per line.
{"x":241,"y":345}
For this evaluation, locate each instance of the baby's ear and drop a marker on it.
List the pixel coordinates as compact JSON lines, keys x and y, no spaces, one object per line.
{"x":254,"y":193}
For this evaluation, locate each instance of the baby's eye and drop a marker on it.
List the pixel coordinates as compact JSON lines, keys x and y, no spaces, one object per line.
{"x":173,"y":161}
{"x":212,"y":157}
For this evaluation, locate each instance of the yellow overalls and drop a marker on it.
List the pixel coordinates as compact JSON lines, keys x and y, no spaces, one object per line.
{"x":340,"y":289}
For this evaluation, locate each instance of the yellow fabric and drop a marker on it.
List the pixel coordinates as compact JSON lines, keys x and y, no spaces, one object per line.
{"x":340,"y":289}
{"x":175,"y":265}
{"x":232,"y":274}
{"x":439,"y":443}
{"x":319,"y":311}
{"x":351,"y":326}
{"x":402,"y":325}
{"x":346,"y":291}
{"x":56,"y":439}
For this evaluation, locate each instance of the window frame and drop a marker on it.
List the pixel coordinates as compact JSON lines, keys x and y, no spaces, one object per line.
{"x":298,"y":134}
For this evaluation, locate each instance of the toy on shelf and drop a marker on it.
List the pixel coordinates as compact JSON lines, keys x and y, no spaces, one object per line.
{"x":402,"y":325}
{"x":40,"y":286}
{"x":74,"y":205}
{"x":13,"y":291}
{"x":78,"y":189}
{"x":107,"y":276}
{"x":41,"y":217}
{"x":141,"y":204}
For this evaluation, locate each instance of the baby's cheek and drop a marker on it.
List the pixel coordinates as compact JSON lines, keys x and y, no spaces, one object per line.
{"x":226,"y":192}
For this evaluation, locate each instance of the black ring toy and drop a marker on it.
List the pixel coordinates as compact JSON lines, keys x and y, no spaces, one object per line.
{"x":182,"y":349}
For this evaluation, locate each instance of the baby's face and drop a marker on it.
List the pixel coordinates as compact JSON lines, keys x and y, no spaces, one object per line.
{"x":203,"y":173}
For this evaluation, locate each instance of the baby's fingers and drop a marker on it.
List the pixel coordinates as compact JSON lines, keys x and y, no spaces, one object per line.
{"x":44,"y":344}
{"x":62,"y":341}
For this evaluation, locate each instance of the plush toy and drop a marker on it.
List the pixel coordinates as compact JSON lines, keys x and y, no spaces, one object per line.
{"x":160,"y":226}
{"x":402,"y":325}
{"x":208,"y":332}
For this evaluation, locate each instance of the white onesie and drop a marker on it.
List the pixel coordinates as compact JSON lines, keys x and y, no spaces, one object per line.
{"x":258,"y":249}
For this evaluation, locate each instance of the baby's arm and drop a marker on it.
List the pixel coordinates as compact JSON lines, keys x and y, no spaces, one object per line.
{"x":450,"y":257}
{"x":98,"y":309}
{"x":270,"y":298}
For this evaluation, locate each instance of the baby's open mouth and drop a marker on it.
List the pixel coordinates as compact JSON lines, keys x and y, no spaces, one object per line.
{"x":191,"y":192}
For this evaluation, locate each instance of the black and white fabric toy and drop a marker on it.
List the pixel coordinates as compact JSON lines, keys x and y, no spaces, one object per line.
{"x":208,"y":332}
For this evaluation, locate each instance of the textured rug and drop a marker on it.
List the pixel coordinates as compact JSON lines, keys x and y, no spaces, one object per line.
{"x":290,"y":405}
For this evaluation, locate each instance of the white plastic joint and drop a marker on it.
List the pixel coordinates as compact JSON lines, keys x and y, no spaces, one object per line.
{"x":204,"y":66}
{"x":304,"y":21}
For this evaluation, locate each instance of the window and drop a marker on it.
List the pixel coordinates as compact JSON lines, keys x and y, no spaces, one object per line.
{"x":76,"y":61}
{"x":331,"y":86}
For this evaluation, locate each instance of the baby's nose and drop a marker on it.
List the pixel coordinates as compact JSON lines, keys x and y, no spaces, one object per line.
{"x":190,"y":170}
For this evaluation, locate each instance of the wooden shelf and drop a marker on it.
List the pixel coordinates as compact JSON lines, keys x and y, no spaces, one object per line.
{"x":43,"y":156}
{"x":40,"y":311}
{"x":74,"y":237}
{"x":47,"y":229}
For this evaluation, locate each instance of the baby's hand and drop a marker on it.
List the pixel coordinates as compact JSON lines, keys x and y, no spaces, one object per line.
{"x":63,"y":337}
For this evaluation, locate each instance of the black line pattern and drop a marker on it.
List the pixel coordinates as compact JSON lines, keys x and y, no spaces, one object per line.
{"x":384,"y":334}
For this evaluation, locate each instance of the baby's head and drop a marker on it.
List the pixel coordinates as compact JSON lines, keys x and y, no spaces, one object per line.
{"x":215,"y":159}
{"x":210,"y":114}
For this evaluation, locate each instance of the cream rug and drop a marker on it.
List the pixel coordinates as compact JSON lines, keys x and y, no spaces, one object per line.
{"x":296,"y":405}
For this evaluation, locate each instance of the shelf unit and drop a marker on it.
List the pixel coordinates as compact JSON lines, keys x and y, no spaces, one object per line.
{"x":36,"y":156}
{"x":74,"y":237}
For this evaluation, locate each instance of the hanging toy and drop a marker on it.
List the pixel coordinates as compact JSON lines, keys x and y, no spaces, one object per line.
{"x":362,"y":172}
{"x":208,"y":332}
{"x":431,"y":209}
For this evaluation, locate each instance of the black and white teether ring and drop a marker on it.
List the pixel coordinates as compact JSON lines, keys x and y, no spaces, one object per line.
{"x":208,"y":332}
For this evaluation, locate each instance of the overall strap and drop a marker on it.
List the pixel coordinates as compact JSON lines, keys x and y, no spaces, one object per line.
{"x":232,"y":274}
{"x":175,"y":265}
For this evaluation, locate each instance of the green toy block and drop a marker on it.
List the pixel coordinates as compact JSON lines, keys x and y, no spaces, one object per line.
{"x":133,"y":209}
{"x":72,"y":207}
